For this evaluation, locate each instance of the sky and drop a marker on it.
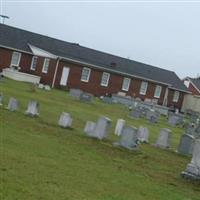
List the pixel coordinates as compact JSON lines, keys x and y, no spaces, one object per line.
{"x":165,"y":34}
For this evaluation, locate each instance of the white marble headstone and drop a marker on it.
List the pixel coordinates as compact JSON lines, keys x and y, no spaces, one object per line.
{"x":193,"y":168}
{"x":65,"y":120}
{"x":1,"y":99}
{"x":119,"y":126}
{"x":101,"y":129}
{"x":33,"y":109}
{"x":89,"y":128}
{"x":143,"y":134}
{"x":13,"y":104}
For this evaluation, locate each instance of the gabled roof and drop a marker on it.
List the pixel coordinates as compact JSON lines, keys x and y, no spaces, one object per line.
{"x":195,"y":82}
{"x":21,"y":39}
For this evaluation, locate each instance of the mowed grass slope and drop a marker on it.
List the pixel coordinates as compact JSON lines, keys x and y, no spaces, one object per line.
{"x":39,"y":160}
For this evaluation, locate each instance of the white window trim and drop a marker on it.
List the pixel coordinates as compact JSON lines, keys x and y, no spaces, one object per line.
{"x":158,"y":96}
{"x":45,"y":60}
{"x":141,"y":92}
{"x":107,"y":81}
{"x":177,"y":97}
{"x":32,"y":63}
{"x":88,"y":77}
{"x":129,"y":81}
{"x":18,"y":59}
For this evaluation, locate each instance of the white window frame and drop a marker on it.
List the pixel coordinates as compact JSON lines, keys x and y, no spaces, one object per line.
{"x":88,"y":75}
{"x":19,"y":58}
{"x":176,"y":96}
{"x":107,"y":80}
{"x":34,"y":57}
{"x":157,"y":89}
{"x":124,"y":87}
{"x":145,"y":89}
{"x":43,"y":68}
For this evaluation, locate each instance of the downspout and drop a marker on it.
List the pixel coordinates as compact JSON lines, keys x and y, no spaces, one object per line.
{"x":55,"y":73}
{"x":165,"y":100}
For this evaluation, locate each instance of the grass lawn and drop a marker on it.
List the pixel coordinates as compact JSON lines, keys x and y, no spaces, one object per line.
{"x":41,"y":161}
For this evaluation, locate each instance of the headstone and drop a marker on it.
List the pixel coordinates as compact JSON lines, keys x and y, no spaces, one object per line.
{"x":89,"y":128}
{"x":143,"y":134}
{"x":40,"y":86}
{"x":128,"y":138}
{"x":65,"y":120}
{"x":101,"y":128}
{"x":192,"y":171}
{"x":75,"y":93}
{"x":33,"y":109}
{"x":47,"y":87}
{"x":186,"y":144}
{"x":152,"y":116}
{"x":190,"y":129}
{"x":1,"y":99}
{"x":136,"y":113}
{"x":86,"y":97}
{"x":197,"y":131}
{"x":164,"y":138}
{"x":173,"y":120}
{"x":13,"y":104}
{"x":119,"y":126}
{"x":108,"y":100}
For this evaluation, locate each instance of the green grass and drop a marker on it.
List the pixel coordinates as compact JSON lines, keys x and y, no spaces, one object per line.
{"x":39,"y":160}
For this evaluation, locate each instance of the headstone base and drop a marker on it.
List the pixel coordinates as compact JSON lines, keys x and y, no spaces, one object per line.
{"x":192,"y":173}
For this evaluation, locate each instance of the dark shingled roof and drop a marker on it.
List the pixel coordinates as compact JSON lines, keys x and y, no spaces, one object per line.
{"x":19,"y":39}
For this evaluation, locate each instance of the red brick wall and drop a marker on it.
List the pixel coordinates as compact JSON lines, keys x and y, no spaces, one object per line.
{"x":5,"y":58}
{"x":93,"y":86}
{"x":170,"y":99}
{"x":115,"y":84}
{"x":25,"y":64}
{"x":192,"y":89}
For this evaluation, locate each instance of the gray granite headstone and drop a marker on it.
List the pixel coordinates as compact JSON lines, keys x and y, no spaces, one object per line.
{"x":173,"y":120}
{"x":33,"y":109}
{"x":190,"y":129}
{"x":65,"y":120}
{"x":13,"y":104}
{"x":128,"y":138}
{"x":136,"y":113}
{"x":75,"y":93}
{"x":86,"y":97}
{"x":197,"y":131}
{"x":119,"y":126}
{"x":152,"y":116}
{"x":143,"y":134}
{"x":186,"y":144}
{"x":101,"y":128}
{"x":164,"y":138}
{"x":193,"y":168}
{"x":89,"y":128}
{"x":108,"y":100}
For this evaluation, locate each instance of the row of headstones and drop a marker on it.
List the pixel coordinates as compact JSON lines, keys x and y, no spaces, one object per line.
{"x":153,"y":116}
{"x":149,"y":114}
{"x":130,"y":137}
{"x":79,"y":94}
{"x":185,"y":147}
{"x":13,"y":105}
